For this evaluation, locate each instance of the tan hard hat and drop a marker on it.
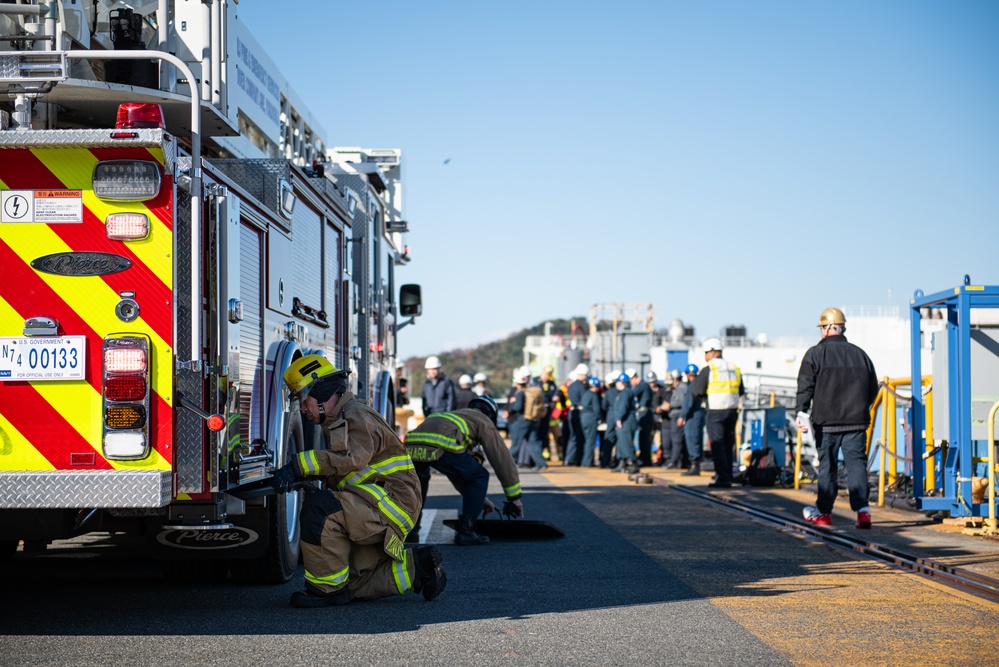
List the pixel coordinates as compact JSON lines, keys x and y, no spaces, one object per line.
{"x":832,"y":316}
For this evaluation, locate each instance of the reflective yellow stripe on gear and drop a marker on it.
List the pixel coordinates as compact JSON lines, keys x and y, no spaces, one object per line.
{"x":716,"y":386}
{"x":444,"y":441}
{"x":335,"y":579}
{"x":400,"y":570}
{"x":308,"y":462}
{"x":456,"y":420}
{"x":387,"y":506}
{"x":513,"y":490}
{"x":384,"y":467}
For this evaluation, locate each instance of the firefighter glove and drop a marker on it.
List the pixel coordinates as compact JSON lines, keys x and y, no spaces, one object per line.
{"x":513,"y":509}
{"x":284,"y":478}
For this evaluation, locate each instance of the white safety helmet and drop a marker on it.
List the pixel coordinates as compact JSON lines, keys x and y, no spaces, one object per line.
{"x":432,"y":363}
{"x":480,"y":377}
{"x":521,"y":376}
{"x":583,"y":369}
{"x":713,"y":345}
{"x":610,"y":378}
{"x":632,"y":373}
{"x":465,"y":381}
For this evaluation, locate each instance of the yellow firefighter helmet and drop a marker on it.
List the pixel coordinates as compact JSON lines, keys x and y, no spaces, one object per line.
{"x":831,"y":316}
{"x":304,"y":371}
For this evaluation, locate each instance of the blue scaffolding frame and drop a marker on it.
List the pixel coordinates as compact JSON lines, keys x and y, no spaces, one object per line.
{"x":956,"y":472}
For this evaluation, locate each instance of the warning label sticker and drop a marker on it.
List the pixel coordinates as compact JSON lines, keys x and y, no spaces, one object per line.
{"x":41,"y":206}
{"x":58,"y":205}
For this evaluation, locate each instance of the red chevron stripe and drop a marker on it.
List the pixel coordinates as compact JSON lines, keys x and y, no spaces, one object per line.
{"x":33,"y":293}
{"x":33,"y":296}
{"x":53,"y":436}
{"x":27,"y":172}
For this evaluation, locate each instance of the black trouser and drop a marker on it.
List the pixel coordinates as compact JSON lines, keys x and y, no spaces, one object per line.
{"x":665,"y":439}
{"x":721,"y":433}
{"x":854,"y":446}
{"x":678,"y":446}
{"x":645,"y":421}
{"x":606,"y":445}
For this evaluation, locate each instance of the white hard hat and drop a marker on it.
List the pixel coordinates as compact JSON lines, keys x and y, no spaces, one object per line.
{"x":480,"y":377}
{"x":464,"y":380}
{"x":631,"y":372}
{"x":521,"y":376}
{"x":432,"y":362}
{"x":583,"y":369}
{"x":610,"y":378}
{"x":713,"y":345}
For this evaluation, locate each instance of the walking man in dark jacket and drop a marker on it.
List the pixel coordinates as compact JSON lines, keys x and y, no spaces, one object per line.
{"x":838,"y":384}
{"x":438,"y":390}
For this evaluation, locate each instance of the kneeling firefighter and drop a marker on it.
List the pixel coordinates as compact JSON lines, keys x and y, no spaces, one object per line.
{"x":353,"y":530}
{"x":456,"y":444}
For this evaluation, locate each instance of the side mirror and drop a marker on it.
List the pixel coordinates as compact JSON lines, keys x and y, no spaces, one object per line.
{"x":410,"y":303}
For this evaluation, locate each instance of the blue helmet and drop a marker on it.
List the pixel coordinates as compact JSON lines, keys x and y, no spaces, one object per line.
{"x":624,"y":377}
{"x":594,"y":381}
{"x":691,"y":368}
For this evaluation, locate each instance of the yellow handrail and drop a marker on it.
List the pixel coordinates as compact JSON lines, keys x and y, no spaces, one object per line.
{"x":929,"y":468}
{"x":991,"y":523}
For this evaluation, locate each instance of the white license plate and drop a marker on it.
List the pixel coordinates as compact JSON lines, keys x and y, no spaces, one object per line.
{"x":43,"y":358}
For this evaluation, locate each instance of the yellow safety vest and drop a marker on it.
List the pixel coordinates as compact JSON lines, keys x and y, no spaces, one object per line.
{"x":723,"y":385}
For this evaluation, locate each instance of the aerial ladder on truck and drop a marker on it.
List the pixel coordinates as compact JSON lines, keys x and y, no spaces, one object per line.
{"x":171,"y":240}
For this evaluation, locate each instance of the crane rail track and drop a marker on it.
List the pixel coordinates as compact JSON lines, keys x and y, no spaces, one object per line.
{"x":963,"y":580}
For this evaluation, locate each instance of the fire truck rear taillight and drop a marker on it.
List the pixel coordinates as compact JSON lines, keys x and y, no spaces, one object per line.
{"x":125,"y":388}
{"x":126,"y":391}
{"x":126,"y":180}
{"x":124,"y":416}
{"x":140,"y":114}
{"x":124,"y":360}
{"x":127,"y":226}
{"x":125,"y":445}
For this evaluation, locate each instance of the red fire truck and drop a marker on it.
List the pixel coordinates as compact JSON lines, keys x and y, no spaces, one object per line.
{"x":163,"y":259}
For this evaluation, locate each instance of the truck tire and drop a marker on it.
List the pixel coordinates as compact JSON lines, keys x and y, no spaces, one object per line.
{"x":279,"y":563}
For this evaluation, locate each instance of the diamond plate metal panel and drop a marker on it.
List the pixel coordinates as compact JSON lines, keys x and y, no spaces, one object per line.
{"x":258,"y":178}
{"x":189,"y":434}
{"x":145,"y":138}
{"x":84,"y":489}
{"x":81,"y":138}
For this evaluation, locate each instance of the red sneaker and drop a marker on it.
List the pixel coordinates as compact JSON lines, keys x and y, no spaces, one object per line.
{"x":863,"y":519}
{"x":812,"y":515}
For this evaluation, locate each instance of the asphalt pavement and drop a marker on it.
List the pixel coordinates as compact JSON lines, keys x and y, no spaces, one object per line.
{"x":644,"y":576}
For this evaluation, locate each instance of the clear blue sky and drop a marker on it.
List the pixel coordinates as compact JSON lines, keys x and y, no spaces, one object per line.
{"x":730,"y":162}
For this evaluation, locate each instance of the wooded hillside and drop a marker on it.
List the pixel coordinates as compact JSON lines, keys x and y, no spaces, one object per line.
{"x":497,"y":359}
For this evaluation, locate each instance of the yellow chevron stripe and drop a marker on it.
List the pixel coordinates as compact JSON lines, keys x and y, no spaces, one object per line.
{"x":75,"y":168}
{"x":91,"y":298}
{"x":16,"y":453}
{"x":79,"y":403}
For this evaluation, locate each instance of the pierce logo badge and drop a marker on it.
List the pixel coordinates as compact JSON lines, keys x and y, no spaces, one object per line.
{"x":225,"y":538}
{"x":81,"y":263}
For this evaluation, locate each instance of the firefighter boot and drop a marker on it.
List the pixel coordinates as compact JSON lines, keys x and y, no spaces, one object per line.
{"x":466,"y":535}
{"x":430,"y":577}
{"x":311,"y":597}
